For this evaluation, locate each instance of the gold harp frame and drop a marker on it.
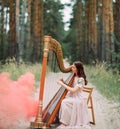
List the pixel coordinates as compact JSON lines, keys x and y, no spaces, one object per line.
{"x":53,"y":45}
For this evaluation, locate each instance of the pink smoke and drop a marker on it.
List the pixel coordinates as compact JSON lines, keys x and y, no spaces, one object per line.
{"x":16,"y":99}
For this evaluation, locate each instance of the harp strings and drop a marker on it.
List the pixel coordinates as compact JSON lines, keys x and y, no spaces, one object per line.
{"x":53,"y":74}
{"x":52,"y":62}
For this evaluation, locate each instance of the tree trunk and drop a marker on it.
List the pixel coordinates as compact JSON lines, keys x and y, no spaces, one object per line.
{"x":117,"y":19}
{"x":99,"y":26}
{"x":12,"y":44}
{"x":94,"y":29}
{"x":117,"y":27}
{"x":104,"y":7}
{"x":89,"y":25}
{"x":40,"y":51}
{"x":112,"y":45}
{"x":19,"y":56}
{"x":106,"y":30}
{"x":2,"y":32}
{"x":28,"y":42}
{"x":79,"y":29}
{"x":22,"y":28}
{"x":86,"y":33}
{"x":37,"y":28}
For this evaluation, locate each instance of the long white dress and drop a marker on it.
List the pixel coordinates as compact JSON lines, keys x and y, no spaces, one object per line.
{"x":74,"y":111}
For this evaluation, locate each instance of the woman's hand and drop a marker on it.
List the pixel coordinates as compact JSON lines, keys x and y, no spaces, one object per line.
{"x":60,"y":82}
{"x":71,"y":89}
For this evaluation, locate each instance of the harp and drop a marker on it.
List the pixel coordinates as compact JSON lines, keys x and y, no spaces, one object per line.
{"x":47,"y":116}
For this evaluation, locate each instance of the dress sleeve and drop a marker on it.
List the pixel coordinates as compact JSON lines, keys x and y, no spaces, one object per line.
{"x":80,"y":82}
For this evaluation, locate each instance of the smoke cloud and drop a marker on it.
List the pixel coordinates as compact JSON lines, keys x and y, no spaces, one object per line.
{"x":17,"y":99}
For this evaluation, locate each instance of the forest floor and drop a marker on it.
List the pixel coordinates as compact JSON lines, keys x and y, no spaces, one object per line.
{"x":107,"y":112}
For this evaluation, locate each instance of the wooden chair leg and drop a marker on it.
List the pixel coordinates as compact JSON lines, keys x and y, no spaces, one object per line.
{"x":90,"y":102}
{"x":92,"y":110}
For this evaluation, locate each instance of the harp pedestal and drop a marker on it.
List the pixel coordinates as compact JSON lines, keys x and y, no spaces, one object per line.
{"x":36,"y":125}
{"x":38,"y":122}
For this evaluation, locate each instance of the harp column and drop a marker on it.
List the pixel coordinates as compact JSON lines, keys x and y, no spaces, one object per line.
{"x":38,"y":121}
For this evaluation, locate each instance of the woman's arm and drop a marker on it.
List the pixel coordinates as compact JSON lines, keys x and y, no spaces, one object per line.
{"x":71,"y":89}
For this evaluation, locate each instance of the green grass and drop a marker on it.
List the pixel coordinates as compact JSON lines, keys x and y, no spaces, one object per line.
{"x":105,"y":81}
{"x":16,"y":70}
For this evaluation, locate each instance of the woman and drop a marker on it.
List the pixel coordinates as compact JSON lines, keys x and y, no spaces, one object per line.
{"x":74,"y":111}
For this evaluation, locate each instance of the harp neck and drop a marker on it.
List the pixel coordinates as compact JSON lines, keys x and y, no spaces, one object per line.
{"x":53,"y":45}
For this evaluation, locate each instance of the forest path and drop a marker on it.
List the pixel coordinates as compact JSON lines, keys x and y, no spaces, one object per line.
{"x":107,"y":113}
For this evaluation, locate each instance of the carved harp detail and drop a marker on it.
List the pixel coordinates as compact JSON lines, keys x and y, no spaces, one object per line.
{"x":53,"y":45}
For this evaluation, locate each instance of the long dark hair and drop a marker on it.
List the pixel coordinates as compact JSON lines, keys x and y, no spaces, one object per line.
{"x":80,"y":70}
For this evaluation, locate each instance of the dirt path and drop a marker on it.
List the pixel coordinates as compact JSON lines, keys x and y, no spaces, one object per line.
{"x":107,"y":113}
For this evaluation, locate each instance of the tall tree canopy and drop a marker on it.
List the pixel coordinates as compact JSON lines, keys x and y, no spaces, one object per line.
{"x":93,"y":34}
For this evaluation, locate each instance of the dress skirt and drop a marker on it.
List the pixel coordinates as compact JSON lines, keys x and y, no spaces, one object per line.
{"x":77,"y":108}
{"x":74,"y":109}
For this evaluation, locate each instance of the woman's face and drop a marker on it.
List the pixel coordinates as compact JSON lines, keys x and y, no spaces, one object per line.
{"x":74,"y":69}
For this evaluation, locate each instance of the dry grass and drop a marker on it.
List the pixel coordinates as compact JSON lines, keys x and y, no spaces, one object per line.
{"x":105,"y":81}
{"x":16,"y":70}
